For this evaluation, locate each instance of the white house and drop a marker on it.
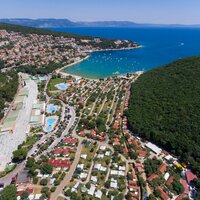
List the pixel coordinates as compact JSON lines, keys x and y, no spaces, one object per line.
{"x":98,"y":194}
{"x":103,"y":148}
{"x":122,"y":168}
{"x":94,"y":179}
{"x":91,"y":190}
{"x":97,"y":166}
{"x":84,"y":156}
{"x":83,"y":175}
{"x":113,"y":183}
{"x":100,"y":156}
{"x":80,"y":166}
{"x":103,"y":169}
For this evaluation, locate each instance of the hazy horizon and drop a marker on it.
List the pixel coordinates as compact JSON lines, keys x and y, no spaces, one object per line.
{"x":99,"y":21}
{"x":145,"y":11}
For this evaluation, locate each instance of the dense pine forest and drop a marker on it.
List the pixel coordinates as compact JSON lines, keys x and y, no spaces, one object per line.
{"x":8,"y":89}
{"x":165,"y":109}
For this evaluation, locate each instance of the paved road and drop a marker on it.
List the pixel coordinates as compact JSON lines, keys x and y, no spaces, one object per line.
{"x":65,"y":132}
{"x":69,"y":174}
{"x":7,"y":179}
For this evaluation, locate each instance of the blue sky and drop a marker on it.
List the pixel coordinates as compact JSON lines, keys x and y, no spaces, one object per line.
{"x":141,"y":11}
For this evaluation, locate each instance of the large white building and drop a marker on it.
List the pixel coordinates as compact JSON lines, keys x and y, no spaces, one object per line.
{"x":15,"y":127}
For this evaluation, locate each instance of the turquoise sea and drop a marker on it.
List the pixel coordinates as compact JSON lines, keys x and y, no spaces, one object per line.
{"x":160,"y":46}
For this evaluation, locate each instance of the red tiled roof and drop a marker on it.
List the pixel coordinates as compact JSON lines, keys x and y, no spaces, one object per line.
{"x":62,"y":151}
{"x":66,"y":151}
{"x":133,"y":194}
{"x":20,"y":192}
{"x":137,"y":164}
{"x":182,"y":196}
{"x":134,"y":187}
{"x":132,"y":182}
{"x":141,"y":153}
{"x":190,"y":176}
{"x":140,"y":169}
{"x":185,"y":185}
{"x":82,"y":133}
{"x":59,"y":163}
{"x":92,"y":132}
{"x":58,"y":151}
{"x":170,"y":180}
{"x":70,"y":140}
{"x":153,"y":176}
{"x":164,"y":196}
{"x":162,"y":168}
{"x":116,"y":141}
{"x":125,"y":150}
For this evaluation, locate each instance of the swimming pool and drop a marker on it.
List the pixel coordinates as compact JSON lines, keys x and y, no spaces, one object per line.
{"x":62,"y":86}
{"x":50,"y":123}
{"x":51,"y":108}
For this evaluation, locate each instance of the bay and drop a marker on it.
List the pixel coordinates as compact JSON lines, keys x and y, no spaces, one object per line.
{"x":160,"y":46}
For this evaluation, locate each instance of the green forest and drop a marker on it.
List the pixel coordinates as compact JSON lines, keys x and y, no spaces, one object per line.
{"x":8,"y":89}
{"x":165,"y":108}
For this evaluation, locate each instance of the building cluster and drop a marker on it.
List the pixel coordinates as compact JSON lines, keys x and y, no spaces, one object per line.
{"x":17,"y":49}
{"x":60,"y":158}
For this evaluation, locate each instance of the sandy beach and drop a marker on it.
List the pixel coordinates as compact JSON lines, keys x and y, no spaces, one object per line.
{"x":71,"y":64}
{"x":62,"y":73}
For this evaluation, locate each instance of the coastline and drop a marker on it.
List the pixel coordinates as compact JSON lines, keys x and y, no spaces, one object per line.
{"x":97,"y":79}
{"x":71,"y":64}
{"x":121,"y":49}
{"x":62,"y":73}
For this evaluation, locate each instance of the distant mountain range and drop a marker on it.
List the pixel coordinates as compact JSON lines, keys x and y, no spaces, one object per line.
{"x":65,"y":23}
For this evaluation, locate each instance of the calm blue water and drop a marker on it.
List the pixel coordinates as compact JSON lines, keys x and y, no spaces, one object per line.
{"x":160,"y":46}
{"x":62,"y":86}
{"x":50,"y":123}
{"x":52,"y":108}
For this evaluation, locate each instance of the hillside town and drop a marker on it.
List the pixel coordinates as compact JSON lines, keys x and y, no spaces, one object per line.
{"x":23,"y":50}
{"x":75,"y":144}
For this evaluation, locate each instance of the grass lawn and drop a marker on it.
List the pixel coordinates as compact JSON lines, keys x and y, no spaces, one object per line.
{"x":31,"y":140}
{"x":60,"y":198}
{"x":104,"y":198}
{"x":90,"y":155}
{"x":53,"y":82}
{"x":9,"y":168}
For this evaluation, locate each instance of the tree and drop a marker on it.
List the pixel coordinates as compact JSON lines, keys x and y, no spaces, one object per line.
{"x":35,"y":180}
{"x":45,"y":190}
{"x":107,"y":184}
{"x":159,"y":99}
{"x":157,"y":193}
{"x":53,"y":189}
{"x":133,"y":155}
{"x":128,"y":196}
{"x":68,"y":193}
{"x":30,"y":162}
{"x":9,"y":193}
{"x":151,"y":197}
{"x":141,"y":181}
{"x":24,"y":196}
{"x":43,"y":182}
{"x":46,"y":169}
{"x":177,"y":186}
{"x":20,"y":154}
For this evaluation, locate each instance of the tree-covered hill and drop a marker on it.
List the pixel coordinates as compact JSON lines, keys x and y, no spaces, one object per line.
{"x":31,"y":30}
{"x":165,"y":108}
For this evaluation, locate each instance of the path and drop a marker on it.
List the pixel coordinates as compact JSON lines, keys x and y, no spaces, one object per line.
{"x":69,"y":174}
